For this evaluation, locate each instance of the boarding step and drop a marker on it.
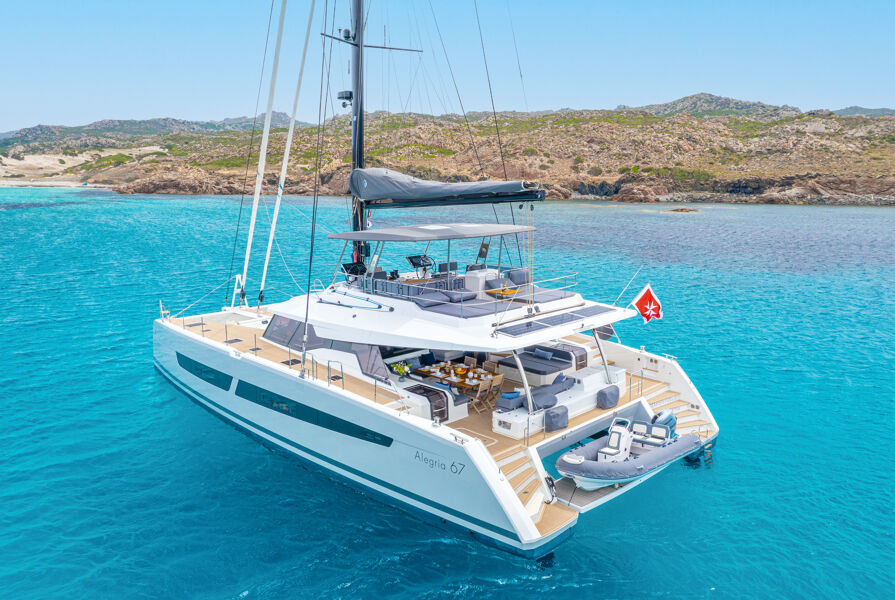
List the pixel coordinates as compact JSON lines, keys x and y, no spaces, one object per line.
{"x":707,"y":434}
{"x":691,"y":426}
{"x":526,"y":492}
{"x":555,"y":516}
{"x":675,"y":407}
{"x":522,"y":476}
{"x":685,"y":417}
{"x":398,"y":406}
{"x":502,"y":456}
{"x":650,"y":388}
{"x":664,"y":399}
{"x":514,"y":464}
{"x":535,"y":505}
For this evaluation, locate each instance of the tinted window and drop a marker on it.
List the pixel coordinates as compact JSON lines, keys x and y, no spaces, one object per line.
{"x":303,"y":412}
{"x":205,"y":373}
{"x":280,"y":329}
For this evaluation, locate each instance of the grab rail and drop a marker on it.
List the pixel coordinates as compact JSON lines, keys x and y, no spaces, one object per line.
{"x":329,"y":376}
{"x":631,"y":377}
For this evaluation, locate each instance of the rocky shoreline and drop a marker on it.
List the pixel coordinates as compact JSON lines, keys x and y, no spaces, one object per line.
{"x":810,"y":188}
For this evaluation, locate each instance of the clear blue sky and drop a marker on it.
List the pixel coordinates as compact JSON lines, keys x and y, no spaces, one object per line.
{"x":70,"y":63}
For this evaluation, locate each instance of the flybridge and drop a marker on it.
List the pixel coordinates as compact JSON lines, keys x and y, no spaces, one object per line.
{"x":384,"y":188}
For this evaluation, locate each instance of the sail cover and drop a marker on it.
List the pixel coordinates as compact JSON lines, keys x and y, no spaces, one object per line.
{"x":384,"y":188}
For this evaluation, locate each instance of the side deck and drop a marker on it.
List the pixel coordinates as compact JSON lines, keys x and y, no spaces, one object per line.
{"x":248,"y":340}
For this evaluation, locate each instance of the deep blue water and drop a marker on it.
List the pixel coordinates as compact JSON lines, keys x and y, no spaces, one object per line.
{"x":114,"y":485}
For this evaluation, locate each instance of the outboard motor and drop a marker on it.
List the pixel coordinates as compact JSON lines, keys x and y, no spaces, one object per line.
{"x":667,"y":418}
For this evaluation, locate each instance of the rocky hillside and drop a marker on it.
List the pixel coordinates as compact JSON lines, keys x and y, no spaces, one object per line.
{"x":851,"y":111}
{"x":117,"y":132}
{"x":625,"y":155}
{"x":708,"y":105}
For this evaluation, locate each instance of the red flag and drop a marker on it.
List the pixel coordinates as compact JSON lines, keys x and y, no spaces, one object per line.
{"x":647,"y":304}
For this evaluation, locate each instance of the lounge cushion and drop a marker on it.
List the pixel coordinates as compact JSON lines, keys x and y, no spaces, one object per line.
{"x":498,"y":282}
{"x":541,"y":353}
{"x":505,"y":404}
{"x":543,"y":397}
{"x":535,"y":365}
{"x":519,"y":276}
{"x":461,"y":295}
{"x":430,"y":298}
{"x":607,"y":397}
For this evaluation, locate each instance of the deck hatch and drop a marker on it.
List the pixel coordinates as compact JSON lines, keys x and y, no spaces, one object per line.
{"x":303,"y":412}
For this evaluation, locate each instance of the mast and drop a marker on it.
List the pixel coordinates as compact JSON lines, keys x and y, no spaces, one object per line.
{"x":262,"y":151}
{"x":358,"y":220}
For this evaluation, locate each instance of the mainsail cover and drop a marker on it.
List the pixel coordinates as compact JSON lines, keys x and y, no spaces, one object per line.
{"x":384,"y":188}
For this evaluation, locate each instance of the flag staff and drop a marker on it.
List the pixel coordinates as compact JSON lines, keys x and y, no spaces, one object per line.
{"x":626,"y":287}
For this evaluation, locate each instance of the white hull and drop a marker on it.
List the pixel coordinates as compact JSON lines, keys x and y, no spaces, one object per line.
{"x":423,"y":466}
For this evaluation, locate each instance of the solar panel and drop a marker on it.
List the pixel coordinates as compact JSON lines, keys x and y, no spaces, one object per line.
{"x":560,"y":319}
{"x":590,"y":311}
{"x":554,"y":320}
{"x":523,"y":328}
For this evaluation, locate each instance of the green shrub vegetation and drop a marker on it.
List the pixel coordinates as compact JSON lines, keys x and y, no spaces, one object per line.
{"x":113,"y":160}
{"x":595,"y":171}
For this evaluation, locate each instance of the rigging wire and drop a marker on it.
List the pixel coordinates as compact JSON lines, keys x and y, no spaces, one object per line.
{"x":457,"y":89}
{"x":518,"y":62}
{"x":323,"y":102}
{"x":503,"y":163}
{"x":496,"y":127}
{"x":251,"y":145}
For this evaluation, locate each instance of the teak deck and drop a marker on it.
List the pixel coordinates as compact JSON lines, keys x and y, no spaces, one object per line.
{"x":248,"y":340}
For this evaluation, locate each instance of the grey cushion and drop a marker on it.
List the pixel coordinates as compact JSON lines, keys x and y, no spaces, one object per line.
{"x":538,"y":366}
{"x":429,"y":299}
{"x":498,"y":282}
{"x":556,"y":418}
{"x":506,"y":404}
{"x":541,"y":353}
{"x":543,"y":397}
{"x":607,"y":397}
{"x":461,"y":295}
{"x":519,"y":276}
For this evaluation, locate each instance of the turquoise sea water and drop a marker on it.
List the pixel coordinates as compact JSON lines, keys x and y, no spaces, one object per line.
{"x":114,"y":485}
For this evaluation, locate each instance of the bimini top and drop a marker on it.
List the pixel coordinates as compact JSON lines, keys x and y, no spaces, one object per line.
{"x":427,"y":233}
{"x":384,"y":188}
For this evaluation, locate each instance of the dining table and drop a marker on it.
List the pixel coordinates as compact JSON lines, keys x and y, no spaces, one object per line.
{"x":467,"y":379}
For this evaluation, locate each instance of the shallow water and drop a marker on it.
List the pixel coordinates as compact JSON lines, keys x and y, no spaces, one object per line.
{"x":114,"y":485}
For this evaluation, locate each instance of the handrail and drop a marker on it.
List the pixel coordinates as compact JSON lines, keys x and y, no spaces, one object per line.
{"x":631,"y":385}
{"x":329,"y":376}
{"x":367,"y":285}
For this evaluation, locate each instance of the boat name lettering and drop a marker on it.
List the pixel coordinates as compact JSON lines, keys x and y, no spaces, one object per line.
{"x":436,"y":464}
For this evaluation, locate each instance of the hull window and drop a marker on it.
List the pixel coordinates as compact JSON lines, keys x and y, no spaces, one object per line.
{"x":302,"y":412}
{"x":216,"y":378}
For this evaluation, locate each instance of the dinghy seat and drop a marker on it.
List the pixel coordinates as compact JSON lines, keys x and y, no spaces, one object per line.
{"x":650,"y":435}
{"x":613,"y":448}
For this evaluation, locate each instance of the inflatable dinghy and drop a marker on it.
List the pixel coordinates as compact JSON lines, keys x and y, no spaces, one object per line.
{"x":632,"y":450}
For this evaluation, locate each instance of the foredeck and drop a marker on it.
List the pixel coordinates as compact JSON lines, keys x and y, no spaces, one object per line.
{"x":248,"y":340}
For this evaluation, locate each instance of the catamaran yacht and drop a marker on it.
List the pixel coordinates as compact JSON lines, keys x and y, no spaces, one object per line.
{"x":442,"y":385}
